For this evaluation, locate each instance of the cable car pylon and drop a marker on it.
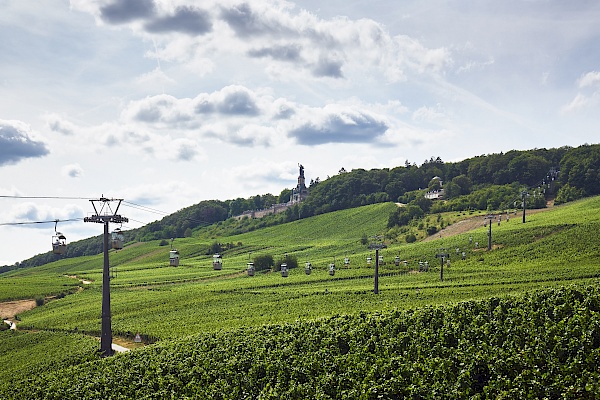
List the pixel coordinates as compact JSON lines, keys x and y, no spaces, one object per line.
{"x":105,"y":215}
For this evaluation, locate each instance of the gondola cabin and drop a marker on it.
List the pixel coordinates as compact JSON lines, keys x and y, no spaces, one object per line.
{"x":332,"y":269}
{"x":307,"y":268}
{"x":284,"y":270}
{"x":397,"y":260}
{"x":117,"y":239}
{"x":380,"y":260}
{"x":59,"y":243}
{"x":174,"y":258}
{"x":346,"y":262}
{"x":217,"y":262}
{"x":251,"y":269}
{"x":368,"y":260}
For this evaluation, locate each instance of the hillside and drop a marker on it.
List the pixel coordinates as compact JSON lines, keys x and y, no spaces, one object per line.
{"x":488,"y":182}
{"x":522,"y":320}
{"x":239,"y":321}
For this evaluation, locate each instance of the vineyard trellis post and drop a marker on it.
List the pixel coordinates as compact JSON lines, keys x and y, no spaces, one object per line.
{"x":105,"y":215}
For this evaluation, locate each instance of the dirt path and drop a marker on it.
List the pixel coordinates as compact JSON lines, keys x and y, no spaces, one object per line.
{"x":9,"y":309}
{"x":469,"y":224}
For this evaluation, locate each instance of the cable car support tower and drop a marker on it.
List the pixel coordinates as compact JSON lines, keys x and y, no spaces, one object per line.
{"x":105,"y":215}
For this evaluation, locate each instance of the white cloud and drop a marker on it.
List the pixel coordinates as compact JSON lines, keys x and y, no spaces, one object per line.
{"x":589,"y":95}
{"x":590,"y":79}
{"x":72,"y":171}
{"x":35,"y":212}
{"x":57,"y":123}
{"x":428,"y":113}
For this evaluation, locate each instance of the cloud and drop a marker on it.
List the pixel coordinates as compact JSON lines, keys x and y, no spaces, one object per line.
{"x":56,"y":123}
{"x":590,"y":79}
{"x":328,"y":68}
{"x":237,"y":101}
{"x":588,"y":96}
{"x":288,"y":52}
{"x":123,"y":11}
{"x":245,"y":22}
{"x":260,"y":172}
{"x":188,"y":20}
{"x":16,"y":143}
{"x":34,"y":212}
{"x":337,"y":125}
{"x":72,"y":171}
{"x":580,"y":102}
{"x":231,"y":100}
{"x":428,"y":113}
{"x":317,"y":48}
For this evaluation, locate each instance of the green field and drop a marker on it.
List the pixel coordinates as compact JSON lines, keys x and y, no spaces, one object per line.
{"x":556,"y":248}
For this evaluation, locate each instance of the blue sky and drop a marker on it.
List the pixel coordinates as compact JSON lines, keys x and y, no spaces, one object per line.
{"x":167,"y":103}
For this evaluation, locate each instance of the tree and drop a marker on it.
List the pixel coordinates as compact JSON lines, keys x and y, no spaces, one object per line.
{"x":263,"y":262}
{"x":290,"y":260}
{"x":284,"y":196}
{"x":568,"y":193}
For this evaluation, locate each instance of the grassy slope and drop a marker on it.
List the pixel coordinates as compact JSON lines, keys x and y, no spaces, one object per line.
{"x":552,"y":248}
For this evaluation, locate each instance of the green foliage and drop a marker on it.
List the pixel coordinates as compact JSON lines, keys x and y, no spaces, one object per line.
{"x":568,"y":193}
{"x":410,"y":238}
{"x":29,"y":355}
{"x":431,"y":230}
{"x":215,"y":248}
{"x":404,"y":215}
{"x":290,"y":260}
{"x":545,"y":344}
{"x":580,"y":168}
{"x":263,"y":262}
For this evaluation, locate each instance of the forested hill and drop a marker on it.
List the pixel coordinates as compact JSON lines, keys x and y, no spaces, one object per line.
{"x":483,"y":182}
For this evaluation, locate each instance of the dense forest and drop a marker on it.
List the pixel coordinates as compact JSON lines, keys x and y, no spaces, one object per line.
{"x":486,"y":182}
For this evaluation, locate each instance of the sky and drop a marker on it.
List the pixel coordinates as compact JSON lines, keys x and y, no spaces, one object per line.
{"x":168,"y":103}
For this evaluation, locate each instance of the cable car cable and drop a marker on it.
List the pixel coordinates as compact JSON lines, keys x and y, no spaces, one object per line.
{"x":44,"y":197}
{"x":40,"y":222}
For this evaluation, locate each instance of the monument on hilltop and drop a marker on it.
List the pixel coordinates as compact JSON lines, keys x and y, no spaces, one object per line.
{"x":300,"y":192}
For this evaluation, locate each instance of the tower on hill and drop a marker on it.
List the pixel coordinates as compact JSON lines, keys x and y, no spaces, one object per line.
{"x":300,"y":192}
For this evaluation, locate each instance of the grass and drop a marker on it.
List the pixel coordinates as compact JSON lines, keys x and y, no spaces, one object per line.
{"x":553,"y":248}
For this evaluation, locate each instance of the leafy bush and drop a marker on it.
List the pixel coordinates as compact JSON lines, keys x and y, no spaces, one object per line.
{"x":263,"y":262}
{"x":290,"y":260}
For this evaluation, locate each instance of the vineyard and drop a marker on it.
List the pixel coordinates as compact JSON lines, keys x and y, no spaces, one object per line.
{"x":521,"y":320}
{"x":542,"y":345}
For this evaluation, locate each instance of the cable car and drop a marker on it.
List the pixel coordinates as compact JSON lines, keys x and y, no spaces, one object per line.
{"x":117,"y":239}
{"x":369,"y":260}
{"x":346,"y":262}
{"x":59,"y":243}
{"x":380,"y":260}
{"x":250,"y":269}
{"x":174,"y":258}
{"x":332,"y":269}
{"x":217,"y":262}
{"x":284,"y":270}
{"x":307,"y":268}
{"x":397,"y":260}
